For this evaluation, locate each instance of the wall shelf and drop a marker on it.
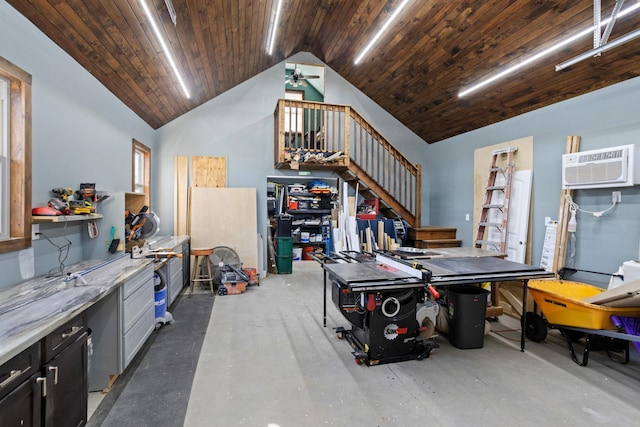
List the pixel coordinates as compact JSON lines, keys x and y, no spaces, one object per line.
{"x":64,"y":218}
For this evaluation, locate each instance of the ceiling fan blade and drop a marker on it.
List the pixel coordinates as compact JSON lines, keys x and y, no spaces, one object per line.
{"x":311,"y":77}
{"x":303,"y":83}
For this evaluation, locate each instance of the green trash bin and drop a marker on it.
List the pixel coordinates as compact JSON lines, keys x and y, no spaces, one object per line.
{"x":284,"y":246}
{"x":284,"y":263}
{"x":467,"y":314}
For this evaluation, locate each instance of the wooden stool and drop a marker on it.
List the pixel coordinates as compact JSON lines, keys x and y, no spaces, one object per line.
{"x":201,"y":271}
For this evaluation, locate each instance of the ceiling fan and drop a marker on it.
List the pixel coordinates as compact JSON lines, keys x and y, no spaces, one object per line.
{"x":297,"y":78}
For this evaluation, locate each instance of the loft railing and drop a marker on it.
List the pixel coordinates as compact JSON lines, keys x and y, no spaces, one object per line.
{"x":313,"y":135}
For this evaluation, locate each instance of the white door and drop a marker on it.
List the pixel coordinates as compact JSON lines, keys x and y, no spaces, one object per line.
{"x":518,"y":214}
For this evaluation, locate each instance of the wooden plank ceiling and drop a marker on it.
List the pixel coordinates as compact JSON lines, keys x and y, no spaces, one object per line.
{"x":415,"y":72}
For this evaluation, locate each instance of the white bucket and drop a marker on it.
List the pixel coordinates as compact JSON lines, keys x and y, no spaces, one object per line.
{"x":297,"y":254}
{"x":304,"y":237}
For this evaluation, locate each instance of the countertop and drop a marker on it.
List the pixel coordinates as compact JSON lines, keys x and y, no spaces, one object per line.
{"x":31,"y":310}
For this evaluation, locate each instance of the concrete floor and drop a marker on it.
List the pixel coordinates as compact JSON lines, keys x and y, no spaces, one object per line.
{"x":267,"y":360}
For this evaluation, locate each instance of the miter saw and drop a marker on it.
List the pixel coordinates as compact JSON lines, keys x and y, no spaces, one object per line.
{"x":141,"y":226}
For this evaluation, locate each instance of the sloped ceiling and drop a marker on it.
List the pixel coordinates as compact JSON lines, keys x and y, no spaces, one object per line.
{"x":435,"y":49}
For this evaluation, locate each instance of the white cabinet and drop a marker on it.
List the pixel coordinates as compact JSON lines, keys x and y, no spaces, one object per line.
{"x":120,"y":323}
{"x":138,"y":317}
{"x":175,"y":272}
{"x":175,"y":278}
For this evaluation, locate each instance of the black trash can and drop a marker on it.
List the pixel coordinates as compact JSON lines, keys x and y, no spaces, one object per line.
{"x":284,"y":225}
{"x":467,"y":313}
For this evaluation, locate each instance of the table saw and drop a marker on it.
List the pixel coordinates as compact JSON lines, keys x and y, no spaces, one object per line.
{"x":378,"y":296}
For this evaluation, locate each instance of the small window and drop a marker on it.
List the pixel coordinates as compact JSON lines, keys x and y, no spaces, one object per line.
{"x":141,"y":170}
{"x":15,"y":157}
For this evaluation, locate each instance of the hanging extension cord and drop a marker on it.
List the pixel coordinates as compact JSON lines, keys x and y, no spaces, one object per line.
{"x":573,"y":207}
{"x":63,"y":252}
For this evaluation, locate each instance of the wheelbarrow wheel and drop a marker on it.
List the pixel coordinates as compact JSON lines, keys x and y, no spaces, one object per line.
{"x":536,"y":327}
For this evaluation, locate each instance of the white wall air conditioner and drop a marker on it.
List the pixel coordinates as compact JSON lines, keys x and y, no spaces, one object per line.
{"x":607,"y":167}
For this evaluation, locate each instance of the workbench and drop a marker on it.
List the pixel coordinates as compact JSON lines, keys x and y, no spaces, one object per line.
{"x":378,"y":296}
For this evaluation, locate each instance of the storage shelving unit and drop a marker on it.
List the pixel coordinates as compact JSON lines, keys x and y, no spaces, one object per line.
{"x":310,"y":211}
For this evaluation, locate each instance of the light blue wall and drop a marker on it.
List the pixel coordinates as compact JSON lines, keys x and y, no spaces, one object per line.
{"x":81,"y":133}
{"x":605,"y":118}
{"x":239,"y":125}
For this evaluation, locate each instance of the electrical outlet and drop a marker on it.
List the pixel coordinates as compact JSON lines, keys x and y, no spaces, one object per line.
{"x":466,"y":217}
{"x":616,"y":197}
{"x":35,"y":228}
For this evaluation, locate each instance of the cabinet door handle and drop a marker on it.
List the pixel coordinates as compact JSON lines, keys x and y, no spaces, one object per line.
{"x":13,"y":375}
{"x":55,"y":373}
{"x":43,"y":381}
{"x":74,"y":330}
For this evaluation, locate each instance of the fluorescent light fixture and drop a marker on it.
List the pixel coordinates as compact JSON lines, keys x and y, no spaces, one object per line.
{"x":543,"y":53}
{"x":375,"y":38}
{"x":274,"y":28}
{"x":165,"y":48}
{"x":597,"y":51}
{"x":172,"y":11}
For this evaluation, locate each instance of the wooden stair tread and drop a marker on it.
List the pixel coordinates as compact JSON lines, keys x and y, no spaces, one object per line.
{"x":432,"y":233}
{"x":437,"y":243}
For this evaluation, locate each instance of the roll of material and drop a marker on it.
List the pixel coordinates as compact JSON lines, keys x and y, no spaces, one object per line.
{"x":628,"y":272}
{"x":631,"y":271}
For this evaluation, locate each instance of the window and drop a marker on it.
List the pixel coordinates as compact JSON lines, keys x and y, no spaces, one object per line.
{"x":15,"y":157}
{"x":141,"y":170}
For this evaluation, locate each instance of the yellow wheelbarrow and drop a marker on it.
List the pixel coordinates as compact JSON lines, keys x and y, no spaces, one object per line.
{"x":563,"y":307}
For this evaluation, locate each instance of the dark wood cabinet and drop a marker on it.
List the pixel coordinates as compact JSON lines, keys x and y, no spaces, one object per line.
{"x":64,"y":366}
{"x":21,"y":407}
{"x":46,"y":384}
{"x":21,"y":389}
{"x":65,"y":403}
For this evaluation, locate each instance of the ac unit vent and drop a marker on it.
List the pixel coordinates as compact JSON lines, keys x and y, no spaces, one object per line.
{"x":609,"y":167}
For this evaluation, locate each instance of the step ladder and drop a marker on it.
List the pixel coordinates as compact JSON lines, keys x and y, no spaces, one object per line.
{"x":495,"y":214}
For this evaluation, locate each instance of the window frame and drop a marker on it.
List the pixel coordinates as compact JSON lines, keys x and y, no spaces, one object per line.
{"x":4,"y":157}
{"x":19,"y":157}
{"x":138,"y":147}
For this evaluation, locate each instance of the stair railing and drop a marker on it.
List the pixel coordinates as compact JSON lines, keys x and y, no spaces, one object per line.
{"x":317,"y":135}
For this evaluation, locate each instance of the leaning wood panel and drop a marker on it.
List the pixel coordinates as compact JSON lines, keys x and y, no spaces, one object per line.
{"x":208,"y":171}
{"x":560,"y":250}
{"x":181,"y":192}
{"x":225,"y":217}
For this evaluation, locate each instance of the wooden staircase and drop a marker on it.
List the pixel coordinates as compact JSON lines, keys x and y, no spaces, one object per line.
{"x":430,"y":237}
{"x":319,"y":136}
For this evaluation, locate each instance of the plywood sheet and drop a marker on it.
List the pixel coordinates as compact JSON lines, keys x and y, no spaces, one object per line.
{"x":627,"y":295}
{"x":207,"y":171}
{"x":181,"y":194}
{"x":560,"y":253}
{"x":225,"y":217}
